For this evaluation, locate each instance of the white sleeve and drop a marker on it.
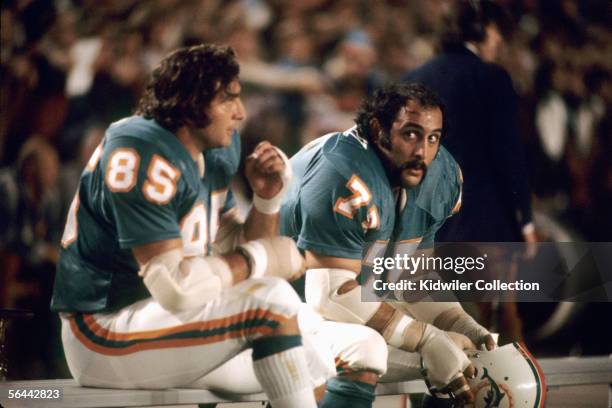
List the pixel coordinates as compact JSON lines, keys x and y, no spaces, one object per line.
{"x":179,"y":283}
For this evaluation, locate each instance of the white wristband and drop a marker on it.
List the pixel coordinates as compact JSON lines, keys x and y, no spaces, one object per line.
{"x":268,"y":206}
{"x":257,"y":256}
{"x":272,"y":205}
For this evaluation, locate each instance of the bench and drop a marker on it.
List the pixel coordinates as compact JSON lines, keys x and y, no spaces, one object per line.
{"x":559,"y":372}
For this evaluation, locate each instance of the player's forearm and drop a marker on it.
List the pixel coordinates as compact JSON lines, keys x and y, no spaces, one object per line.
{"x":336,"y":295}
{"x":447,"y":316}
{"x":260,"y":225}
{"x":391,"y":323}
{"x":233,"y":231}
{"x":269,"y":173}
{"x":444,"y":359}
{"x":178,"y":282}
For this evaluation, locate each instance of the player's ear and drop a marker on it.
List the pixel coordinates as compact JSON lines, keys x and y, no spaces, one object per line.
{"x":379,"y":137}
{"x":376,"y":131}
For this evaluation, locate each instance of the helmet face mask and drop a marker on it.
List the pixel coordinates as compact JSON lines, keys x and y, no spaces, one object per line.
{"x":506,"y":377}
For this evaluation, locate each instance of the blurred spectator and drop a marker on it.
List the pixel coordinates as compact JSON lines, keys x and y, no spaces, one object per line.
{"x":29,"y":248}
{"x":119,"y":72}
{"x":106,"y":87}
{"x":330,"y":113}
{"x":30,"y":211}
{"x":599,"y":215}
{"x":33,"y":75}
{"x":355,"y":58}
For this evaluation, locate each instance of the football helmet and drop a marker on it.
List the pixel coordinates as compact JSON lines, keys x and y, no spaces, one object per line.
{"x":506,"y":377}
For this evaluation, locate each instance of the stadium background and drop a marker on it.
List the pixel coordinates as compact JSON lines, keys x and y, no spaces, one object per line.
{"x":69,"y":68}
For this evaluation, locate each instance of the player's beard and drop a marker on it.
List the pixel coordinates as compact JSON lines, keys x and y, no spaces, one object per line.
{"x":416,"y":164}
{"x":394,"y":170}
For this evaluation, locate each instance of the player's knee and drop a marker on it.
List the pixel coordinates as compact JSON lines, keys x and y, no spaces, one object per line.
{"x":367,"y":352}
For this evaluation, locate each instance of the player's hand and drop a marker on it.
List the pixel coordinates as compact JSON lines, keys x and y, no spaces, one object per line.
{"x":481,"y":340}
{"x":276,"y":256}
{"x":446,"y":364}
{"x":263,"y":169}
{"x":489,"y":342}
{"x":478,"y":335}
{"x":461,"y":389}
{"x":462,"y":341}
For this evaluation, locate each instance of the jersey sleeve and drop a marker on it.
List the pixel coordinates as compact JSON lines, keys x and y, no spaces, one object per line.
{"x":334,"y":214}
{"x":142,"y":186}
{"x":430,"y":236}
{"x":455,"y":193}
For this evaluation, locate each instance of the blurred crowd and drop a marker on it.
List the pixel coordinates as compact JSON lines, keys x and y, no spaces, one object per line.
{"x":71,"y":67}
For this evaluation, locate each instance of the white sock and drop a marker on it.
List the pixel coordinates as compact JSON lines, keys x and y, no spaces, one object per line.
{"x":285,"y":379}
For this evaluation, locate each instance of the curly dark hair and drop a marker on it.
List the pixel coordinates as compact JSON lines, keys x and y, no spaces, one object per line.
{"x":185,"y":83}
{"x":385,"y":103}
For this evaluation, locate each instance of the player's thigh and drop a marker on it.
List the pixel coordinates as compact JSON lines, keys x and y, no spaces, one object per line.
{"x":237,"y":375}
{"x":156,"y":351}
{"x":144,"y":345}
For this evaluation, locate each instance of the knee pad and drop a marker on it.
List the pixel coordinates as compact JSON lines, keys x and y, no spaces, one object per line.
{"x":322,"y":294}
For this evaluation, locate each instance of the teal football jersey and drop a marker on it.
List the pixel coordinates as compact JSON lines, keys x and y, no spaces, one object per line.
{"x":429,"y":205}
{"x":340,"y":199}
{"x":221,"y":164}
{"x":140,"y":186}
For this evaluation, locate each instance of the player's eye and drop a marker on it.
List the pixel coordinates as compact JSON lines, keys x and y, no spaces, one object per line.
{"x":230,"y":96}
{"x":433,"y":139}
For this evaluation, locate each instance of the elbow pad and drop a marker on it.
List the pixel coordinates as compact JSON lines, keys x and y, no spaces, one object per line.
{"x":180,"y":284}
{"x":322,"y":294}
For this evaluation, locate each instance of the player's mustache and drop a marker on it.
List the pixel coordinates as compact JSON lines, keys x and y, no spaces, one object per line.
{"x":416,"y":164}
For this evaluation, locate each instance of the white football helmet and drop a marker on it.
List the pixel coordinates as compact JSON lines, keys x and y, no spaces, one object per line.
{"x":507,"y":377}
